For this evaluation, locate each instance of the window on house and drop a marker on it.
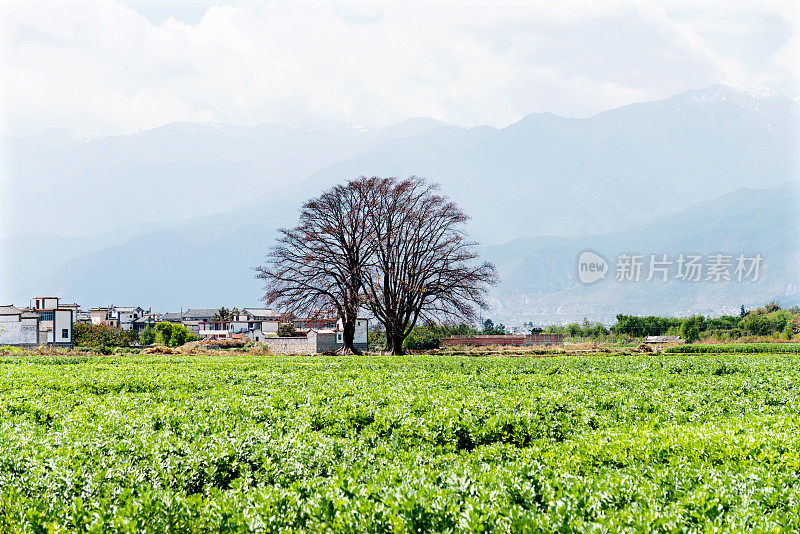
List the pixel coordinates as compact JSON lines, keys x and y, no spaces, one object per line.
{"x":64,"y":333}
{"x":46,"y":316}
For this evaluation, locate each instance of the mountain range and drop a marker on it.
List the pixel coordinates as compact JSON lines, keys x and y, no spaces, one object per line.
{"x":176,"y":216}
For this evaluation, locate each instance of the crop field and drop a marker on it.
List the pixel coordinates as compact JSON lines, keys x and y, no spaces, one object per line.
{"x":238,"y":442}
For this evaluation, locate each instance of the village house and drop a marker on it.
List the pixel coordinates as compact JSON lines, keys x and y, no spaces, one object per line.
{"x":122,"y":317}
{"x":191,"y":318}
{"x":253,"y":323}
{"x":317,"y":340}
{"x":147,"y":319}
{"x":99,"y":316}
{"x":360,"y":337}
{"x":261,"y":323}
{"x":55,"y":321}
{"x":17,"y":327}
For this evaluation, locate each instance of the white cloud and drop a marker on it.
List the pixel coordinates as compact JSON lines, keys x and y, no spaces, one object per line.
{"x":104,"y":67}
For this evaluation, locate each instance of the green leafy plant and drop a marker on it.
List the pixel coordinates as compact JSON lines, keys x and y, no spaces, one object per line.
{"x":245,"y":442}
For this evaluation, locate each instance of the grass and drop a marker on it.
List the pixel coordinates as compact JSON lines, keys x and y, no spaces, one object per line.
{"x":243,"y":442}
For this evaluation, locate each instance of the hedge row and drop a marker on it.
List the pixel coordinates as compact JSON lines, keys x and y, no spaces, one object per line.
{"x":736,"y":348}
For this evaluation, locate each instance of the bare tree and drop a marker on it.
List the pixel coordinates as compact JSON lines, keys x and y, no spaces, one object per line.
{"x":319,"y":265}
{"x":422,"y":266}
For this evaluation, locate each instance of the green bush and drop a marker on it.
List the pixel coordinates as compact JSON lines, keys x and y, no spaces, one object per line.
{"x":101,"y":335}
{"x":173,"y":334}
{"x":736,"y":348}
{"x":690,"y":328}
{"x":287,"y":330}
{"x":422,"y":338}
{"x":147,"y":336}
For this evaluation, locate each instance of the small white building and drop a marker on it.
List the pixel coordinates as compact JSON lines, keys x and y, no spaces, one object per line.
{"x":100,"y":316}
{"x":147,"y":319}
{"x":191,"y":318}
{"x":315,"y":340}
{"x":361,"y":336}
{"x":261,"y":323}
{"x":124,"y":316}
{"x":55,"y":322}
{"x":17,"y":327}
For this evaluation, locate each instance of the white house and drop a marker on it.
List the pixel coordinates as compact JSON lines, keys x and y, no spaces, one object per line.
{"x":361,"y":336}
{"x":55,"y":322}
{"x":124,"y":316}
{"x":191,"y":318}
{"x":100,"y":315}
{"x":147,"y":319}
{"x":261,"y":323}
{"x":18,"y":327}
{"x":314,"y":340}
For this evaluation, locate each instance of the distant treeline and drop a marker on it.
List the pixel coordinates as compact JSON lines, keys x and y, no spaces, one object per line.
{"x":766,"y":321}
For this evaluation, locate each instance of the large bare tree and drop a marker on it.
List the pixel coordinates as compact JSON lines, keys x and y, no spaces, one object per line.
{"x":422,"y":265}
{"x":319,"y":265}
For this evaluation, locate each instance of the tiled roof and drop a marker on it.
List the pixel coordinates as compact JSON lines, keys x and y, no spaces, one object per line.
{"x":194,"y":314}
{"x":261,"y":313}
{"x":201,"y":313}
{"x":9,"y":310}
{"x":126,"y":308}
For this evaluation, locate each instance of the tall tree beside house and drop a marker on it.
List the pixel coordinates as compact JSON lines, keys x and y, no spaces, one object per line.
{"x":422,"y":267}
{"x":223,"y":314}
{"x":319,"y":264}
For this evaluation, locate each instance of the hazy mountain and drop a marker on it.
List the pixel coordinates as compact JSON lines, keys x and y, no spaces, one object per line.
{"x":168,"y":271}
{"x":181,"y":170}
{"x":540,"y":279}
{"x":165,"y":271}
{"x":552,"y":175}
{"x":193,"y":188}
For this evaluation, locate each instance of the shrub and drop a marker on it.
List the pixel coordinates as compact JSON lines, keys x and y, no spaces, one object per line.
{"x":147,"y":336}
{"x":737,"y":348}
{"x":690,"y":328}
{"x":422,"y":338}
{"x":101,"y":335}
{"x":287,"y":330}
{"x":173,"y":334}
{"x":787,"y":332}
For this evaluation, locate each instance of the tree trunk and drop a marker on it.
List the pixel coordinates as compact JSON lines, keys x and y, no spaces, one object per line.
{"x":348,"y":337}
{"x":394,"y":340}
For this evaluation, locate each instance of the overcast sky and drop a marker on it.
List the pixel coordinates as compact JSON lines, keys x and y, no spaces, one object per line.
{"x":104,"y":67}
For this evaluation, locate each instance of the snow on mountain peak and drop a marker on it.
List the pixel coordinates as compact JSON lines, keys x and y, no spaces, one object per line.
{"x":755,"y":99}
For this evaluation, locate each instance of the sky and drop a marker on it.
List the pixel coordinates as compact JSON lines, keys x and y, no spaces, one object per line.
{"x":108,"y":67}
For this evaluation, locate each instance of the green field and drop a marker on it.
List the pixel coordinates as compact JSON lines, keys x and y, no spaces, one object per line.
{"x":603,"y":443}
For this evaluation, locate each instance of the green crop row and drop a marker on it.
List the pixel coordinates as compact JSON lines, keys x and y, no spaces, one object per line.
{"x":254,"y":443}
{"x":736,"y":348}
